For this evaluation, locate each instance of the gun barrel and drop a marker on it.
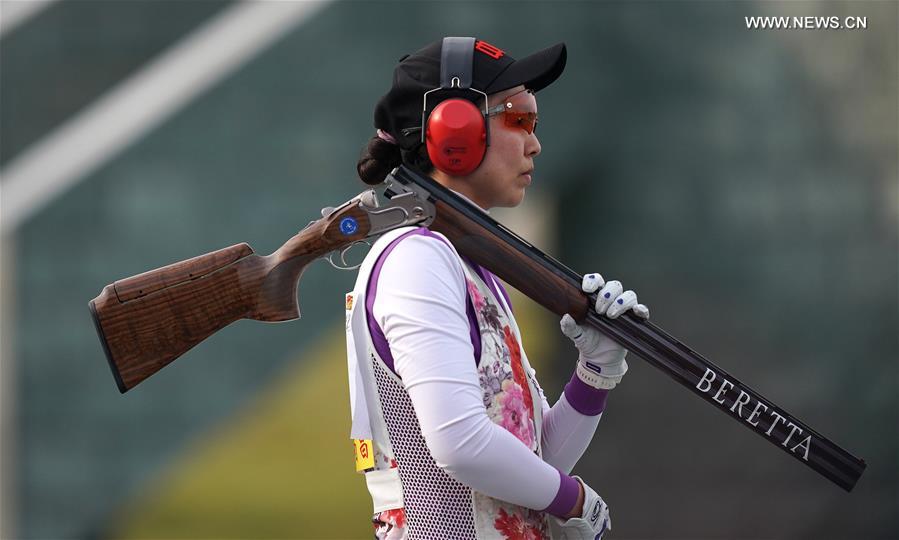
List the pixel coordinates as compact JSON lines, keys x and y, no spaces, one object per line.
{"x":558,"y":288}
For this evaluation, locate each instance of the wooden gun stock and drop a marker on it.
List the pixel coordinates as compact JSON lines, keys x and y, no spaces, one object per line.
{"x":148,"y":320}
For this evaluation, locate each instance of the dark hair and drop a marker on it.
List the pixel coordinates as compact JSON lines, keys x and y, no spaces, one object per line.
{"x":379,"y":157}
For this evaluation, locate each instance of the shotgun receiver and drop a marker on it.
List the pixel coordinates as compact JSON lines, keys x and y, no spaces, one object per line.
{"x":147,"y":321}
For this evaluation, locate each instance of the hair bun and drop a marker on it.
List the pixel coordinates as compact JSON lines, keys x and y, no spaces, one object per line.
{"x":378,"y":158}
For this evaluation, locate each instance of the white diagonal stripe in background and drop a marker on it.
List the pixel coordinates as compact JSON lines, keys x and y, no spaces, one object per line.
{"x":142,"y":102}
{"x":15,"y":13}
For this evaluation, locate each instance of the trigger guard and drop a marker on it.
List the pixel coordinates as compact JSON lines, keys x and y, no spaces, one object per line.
{"x":346,"y":266}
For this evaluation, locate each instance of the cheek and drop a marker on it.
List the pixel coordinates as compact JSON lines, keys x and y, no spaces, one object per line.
{"x":506,"y":150}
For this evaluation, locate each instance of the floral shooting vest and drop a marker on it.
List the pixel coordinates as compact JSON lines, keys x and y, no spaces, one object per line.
{"x":413,"y":498}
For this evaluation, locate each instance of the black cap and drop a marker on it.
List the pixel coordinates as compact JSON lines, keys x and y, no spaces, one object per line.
{"x":493,"y":71}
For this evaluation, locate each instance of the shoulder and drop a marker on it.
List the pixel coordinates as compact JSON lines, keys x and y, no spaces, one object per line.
{"x":421,"y":259}
{"x":419,"y":242}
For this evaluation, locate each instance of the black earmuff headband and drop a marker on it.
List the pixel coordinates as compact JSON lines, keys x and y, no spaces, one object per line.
{"x":456,"y":62}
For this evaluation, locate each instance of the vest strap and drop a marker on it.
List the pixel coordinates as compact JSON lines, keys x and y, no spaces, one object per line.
{"x":385,"y":488}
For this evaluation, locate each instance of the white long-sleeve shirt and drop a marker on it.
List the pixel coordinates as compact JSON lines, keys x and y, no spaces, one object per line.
{"x":421,"y":308}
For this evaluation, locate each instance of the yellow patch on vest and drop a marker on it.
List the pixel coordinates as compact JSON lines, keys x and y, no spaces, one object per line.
{"x":365,"y":455}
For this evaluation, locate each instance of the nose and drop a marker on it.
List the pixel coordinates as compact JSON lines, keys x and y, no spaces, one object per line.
{"x":532,"y":146}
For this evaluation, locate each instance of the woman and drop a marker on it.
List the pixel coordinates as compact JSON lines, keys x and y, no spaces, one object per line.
{"x":453,"y":431}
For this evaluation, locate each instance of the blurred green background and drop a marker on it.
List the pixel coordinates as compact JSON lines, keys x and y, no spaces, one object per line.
{"x":743,"y":182}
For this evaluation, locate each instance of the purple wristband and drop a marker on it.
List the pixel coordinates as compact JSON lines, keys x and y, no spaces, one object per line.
{"x":566,"y":497}
{"x":584,"y":398}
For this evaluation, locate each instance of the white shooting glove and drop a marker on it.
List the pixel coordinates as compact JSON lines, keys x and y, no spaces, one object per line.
{"x":594,"y":520}
{"x":601,"y":362}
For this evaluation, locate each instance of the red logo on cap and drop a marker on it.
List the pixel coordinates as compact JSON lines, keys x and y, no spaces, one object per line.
{"x":493,"y":52}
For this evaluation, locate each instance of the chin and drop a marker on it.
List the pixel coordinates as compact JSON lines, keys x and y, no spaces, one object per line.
{"x":515,"y":199}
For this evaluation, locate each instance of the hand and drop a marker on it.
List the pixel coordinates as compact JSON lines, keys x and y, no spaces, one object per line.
{"x":601,"y":363}
{"x":593,"y":522}
{"x":610,"y":301}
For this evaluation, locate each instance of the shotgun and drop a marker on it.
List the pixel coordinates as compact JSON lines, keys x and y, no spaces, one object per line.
{"x":146,"y":321}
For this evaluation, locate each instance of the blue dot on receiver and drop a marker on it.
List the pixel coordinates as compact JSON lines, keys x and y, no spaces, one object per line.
{"x":348,"y":225}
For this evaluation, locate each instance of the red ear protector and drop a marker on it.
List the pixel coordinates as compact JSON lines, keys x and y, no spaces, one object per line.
{"x":456,"y":136}
{"x":455,"y":132}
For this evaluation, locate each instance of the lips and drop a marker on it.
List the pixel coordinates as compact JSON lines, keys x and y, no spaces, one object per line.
{"x":527,"y":175}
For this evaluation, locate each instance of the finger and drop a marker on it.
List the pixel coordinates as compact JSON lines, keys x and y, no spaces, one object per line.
{"x":569,"y":327}
{"x":641,"y":311}
{"x":624,"y":302}
{"x":607,"y":295}
{"x":592,"y":282}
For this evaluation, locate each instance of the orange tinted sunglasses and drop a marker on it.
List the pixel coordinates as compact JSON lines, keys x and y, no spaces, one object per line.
{"x":515,"y":119}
